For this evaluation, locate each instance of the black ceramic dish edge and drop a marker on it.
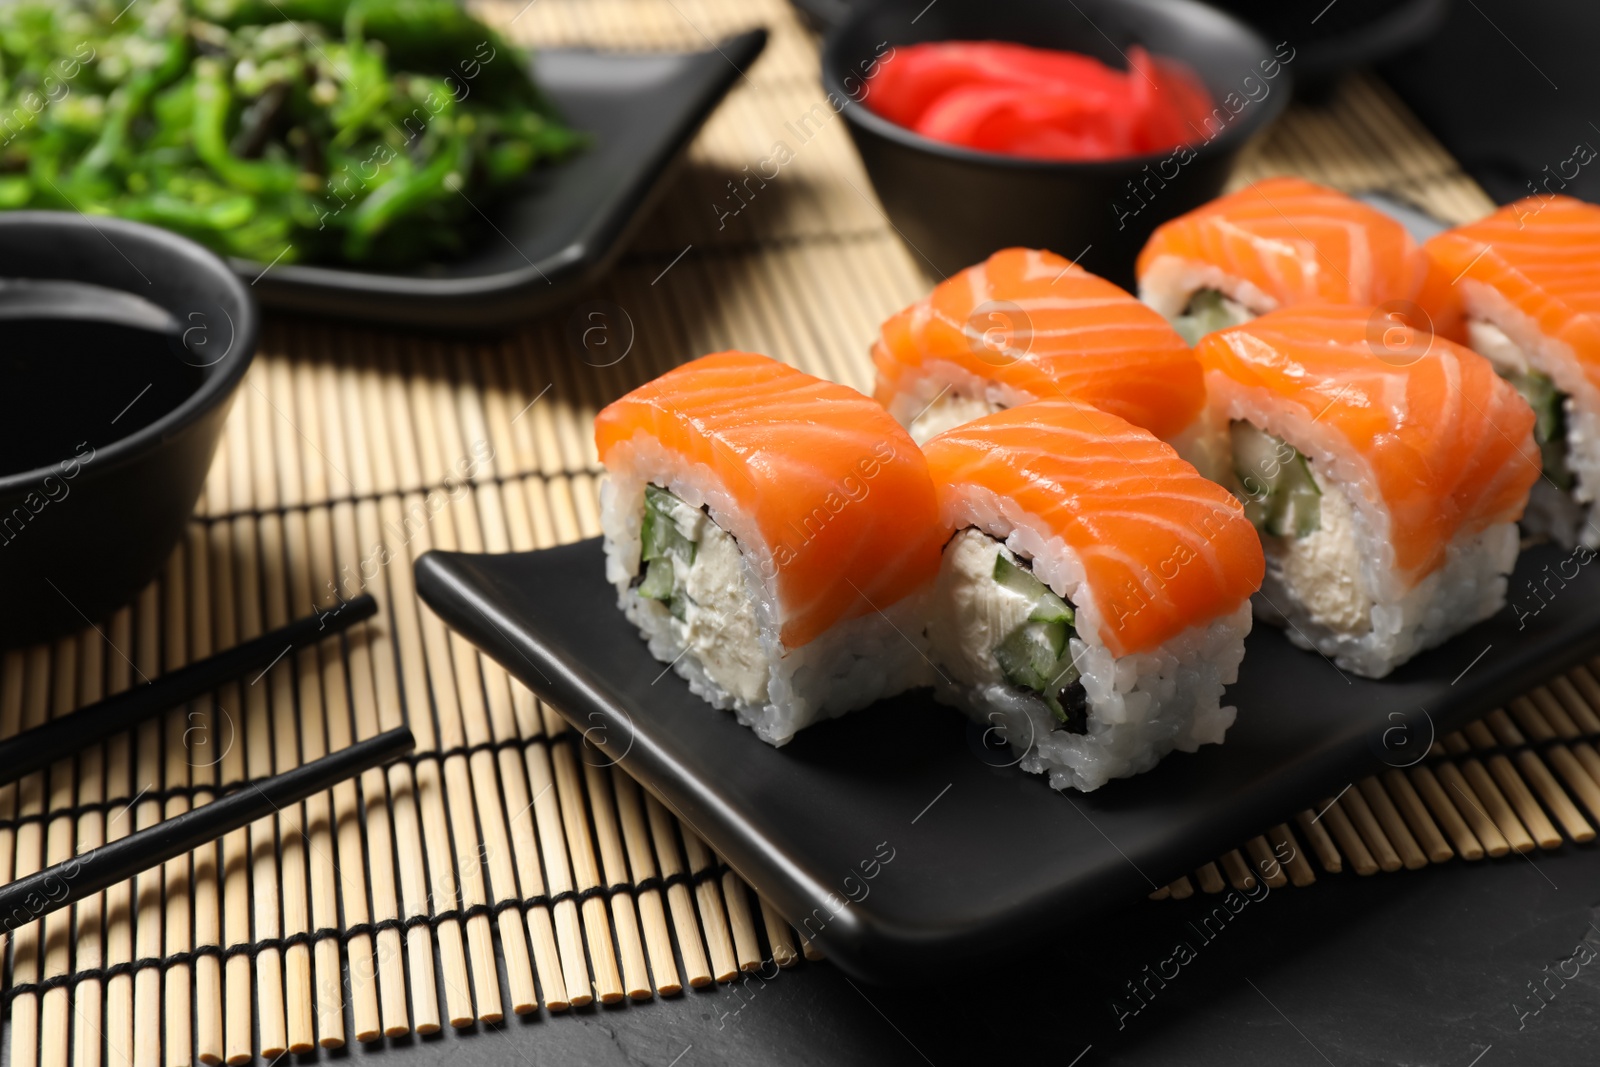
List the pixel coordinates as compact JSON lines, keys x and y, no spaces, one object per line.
{"x":494,"y":301}
{"x":78,"y":548}
{"x":883,"y":952}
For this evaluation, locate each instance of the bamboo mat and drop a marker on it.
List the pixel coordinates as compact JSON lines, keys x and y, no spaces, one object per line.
{"x":390,"y":904}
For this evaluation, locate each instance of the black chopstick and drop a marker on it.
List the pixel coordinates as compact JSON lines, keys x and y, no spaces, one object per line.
{"x":28,"y":898}
{"x":69,"y":734}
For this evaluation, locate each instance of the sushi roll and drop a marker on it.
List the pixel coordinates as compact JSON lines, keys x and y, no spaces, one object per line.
{"x":1386,"y":489}
{"x":1526,"y":284}
{"x":1276,"y":243}
{"x":1029,"y":325}
{"x":765,"y":530}
{"x":1093,"y":593}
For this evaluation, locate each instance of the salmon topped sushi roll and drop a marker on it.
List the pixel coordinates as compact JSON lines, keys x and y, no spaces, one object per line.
{"x":1386,"y":486}
{"x":1274,"y":244}
{"x":1029,"y":325}
{"x":765,"y":530}
{"x":1526,"y":281}
{"x":1093,"y":594}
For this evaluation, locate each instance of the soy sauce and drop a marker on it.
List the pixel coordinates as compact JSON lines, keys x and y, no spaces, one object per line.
{"x":70,"y":383}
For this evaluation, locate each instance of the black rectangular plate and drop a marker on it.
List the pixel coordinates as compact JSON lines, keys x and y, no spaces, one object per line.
{"x":985,"y":858}
{"x":567,"y":222}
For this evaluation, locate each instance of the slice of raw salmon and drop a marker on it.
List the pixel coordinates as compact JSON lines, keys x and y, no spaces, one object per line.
{"x":837,"y":494}
{"x":1162,"y":548}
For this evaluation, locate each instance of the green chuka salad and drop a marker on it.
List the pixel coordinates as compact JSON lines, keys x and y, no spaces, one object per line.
{"x":1037,"y":655}
{"x":354,"y":131}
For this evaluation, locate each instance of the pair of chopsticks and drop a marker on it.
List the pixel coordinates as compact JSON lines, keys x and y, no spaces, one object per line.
{"x":38,"y":894}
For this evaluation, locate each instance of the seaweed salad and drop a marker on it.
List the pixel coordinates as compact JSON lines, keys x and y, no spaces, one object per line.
{"x":328,"y":131}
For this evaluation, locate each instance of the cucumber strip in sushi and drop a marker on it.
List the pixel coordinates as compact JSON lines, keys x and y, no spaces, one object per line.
{"x":1386,"y":488}
{"x":1093,"y":593}
{"x":1526,"y":298}
{"x":1029,"y":325}
{"x":768,"y":532}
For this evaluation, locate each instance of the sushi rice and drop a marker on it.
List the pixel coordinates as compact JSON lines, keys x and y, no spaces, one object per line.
{"x":1334,"y":589}
{"x":1140,"y":706}
{"x":1514,"y":343}
{"x":1366,"y":563}
{"x":1092,"y":599}
{"x":727,"y":645}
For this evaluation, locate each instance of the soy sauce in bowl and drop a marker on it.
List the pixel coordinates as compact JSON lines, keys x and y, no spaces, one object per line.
{"x":79,"y":380}
{"x":121,"y":349}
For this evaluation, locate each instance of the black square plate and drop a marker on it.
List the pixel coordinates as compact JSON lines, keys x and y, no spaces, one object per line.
{"x":895,"y":837}
{"x":566,"y":224}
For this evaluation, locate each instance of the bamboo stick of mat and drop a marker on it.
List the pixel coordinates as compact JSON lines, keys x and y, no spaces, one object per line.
{"x":708,"y":897}
{"x":373,"y":473}
{"x":548,"y":813}
{"x":176,"y":873}
{"x":1425,"y":831}
{"x":119,"y":823}
{"x":614,"y":870}
{"x":342,"y":410}
{"x":585,"y":872}
{"x":88,"y":995}
{"x":779,"y":942}
{"x":233,"y":586}
{"x":238,"y":970}
{"x":57,"y":944}
{"x":277,"y":476}
{"x":410,"y":849}
{"x":1355,"y":808}
{"x":266,"y":880}
{"x":642,"y":865}
{"x":346,"y":893}
{"x":504,"y":523}
{"x":384,"y":949}
{"x":265,"y":886}
{"x":1493,"y":803}
{"x":203,"y":742}
{"x":1460,"y":794}
{"x":741,"y":921}
{"x":517,"y":721}
{"x":29,"y":858}
{"x":697,"y":969}
{"x":459,"y":797}
{"x":1462,"y":839}
{"x":1391,"y":825}
{"x":465,"y":714}
{"x":557,"y":764}
{"x":304,"y":478}
{"x":454,"y":677}
{"x":1534,"y":771}
{"x":396,"y":449}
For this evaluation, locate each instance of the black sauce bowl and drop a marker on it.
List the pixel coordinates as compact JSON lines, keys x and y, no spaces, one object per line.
{"x":954,"y":206}
{"x":80,"y":536}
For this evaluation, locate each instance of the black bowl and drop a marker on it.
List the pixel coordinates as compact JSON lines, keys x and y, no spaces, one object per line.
{"x":1344,"y":35}
{"x":954,"y":206}
{"x":81,"y":536}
